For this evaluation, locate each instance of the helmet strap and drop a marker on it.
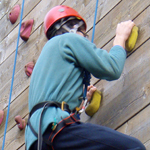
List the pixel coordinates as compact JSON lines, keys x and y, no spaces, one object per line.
{"x":75,"y":28}
{"x":63,"y":25}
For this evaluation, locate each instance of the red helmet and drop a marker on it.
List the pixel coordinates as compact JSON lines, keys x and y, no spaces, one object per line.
{"x":57,"y":13}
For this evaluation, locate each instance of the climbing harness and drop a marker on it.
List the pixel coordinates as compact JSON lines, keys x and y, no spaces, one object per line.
{"x":13,"y":76}
{"x":56,"y":128}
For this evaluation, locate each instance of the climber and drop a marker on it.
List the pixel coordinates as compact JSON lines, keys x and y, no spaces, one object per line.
{"x":56,"y":86}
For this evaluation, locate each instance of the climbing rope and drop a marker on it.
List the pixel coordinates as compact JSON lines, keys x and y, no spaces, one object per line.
{"x":94,"y":24}
{"x":87,"y":76}
{"x":6,"y":123}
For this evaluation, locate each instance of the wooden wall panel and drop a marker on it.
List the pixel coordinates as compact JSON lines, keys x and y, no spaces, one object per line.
{"x":8,"y":45}
{"x":21,"y":148}
{"x":5,"y":25}
{"x":122,"y":99}
{"x":14,"y":138}
{"x":87,"y":9}
{"x":112,"y":89}
{"x":18,"y":107}
{"x":147,"y":145}
{"x":139,"y":127}
{"x":5,"y":6}
{"x":27,"y":52}
{"x":133,"y":95}
{"x":125,"y":10}
{"x":143,"y":24}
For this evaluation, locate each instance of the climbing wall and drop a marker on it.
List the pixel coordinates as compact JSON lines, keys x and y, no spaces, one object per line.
{"x":125,"y":104}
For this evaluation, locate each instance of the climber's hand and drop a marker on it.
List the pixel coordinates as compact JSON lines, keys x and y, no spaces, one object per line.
{"x":123,"y":32}
{"x":90,"y":90}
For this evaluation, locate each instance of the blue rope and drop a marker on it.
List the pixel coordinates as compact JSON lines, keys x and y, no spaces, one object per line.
{"x":87,"y":75}
{"x":94,"y":24}
{"x":6,"y":123}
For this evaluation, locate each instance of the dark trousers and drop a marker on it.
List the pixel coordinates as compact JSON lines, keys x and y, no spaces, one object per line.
{"x":86,"y":136}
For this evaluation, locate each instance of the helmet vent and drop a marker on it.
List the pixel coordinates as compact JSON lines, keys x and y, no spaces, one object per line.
{"x":61,"y":10}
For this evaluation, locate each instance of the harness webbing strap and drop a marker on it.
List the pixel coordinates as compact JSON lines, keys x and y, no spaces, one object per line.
{"x":51,"y":103}
{"x":61,"y":125}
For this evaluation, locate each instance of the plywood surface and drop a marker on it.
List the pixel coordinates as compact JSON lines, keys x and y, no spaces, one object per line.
{"x":138,"y":126}
{"x":125,"y":104}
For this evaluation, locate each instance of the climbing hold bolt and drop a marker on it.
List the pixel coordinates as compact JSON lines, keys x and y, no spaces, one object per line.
{"x":14,"y":14}
{"x":21,"y":122}
{"x":26,"y":28}
{"x":29,"y":68}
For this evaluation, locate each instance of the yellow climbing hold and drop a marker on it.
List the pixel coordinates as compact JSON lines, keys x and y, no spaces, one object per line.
{"x":94,"y":105}
{"x":130,"y":43}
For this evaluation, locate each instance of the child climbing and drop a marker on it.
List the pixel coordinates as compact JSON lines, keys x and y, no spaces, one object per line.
{"x":57,"y":83}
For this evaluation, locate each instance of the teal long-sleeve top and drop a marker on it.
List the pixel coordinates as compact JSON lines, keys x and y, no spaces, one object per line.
{"x":58,"y":75}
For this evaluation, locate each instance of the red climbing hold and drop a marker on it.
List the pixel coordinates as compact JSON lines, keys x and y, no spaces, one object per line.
{"x":14,"y":14}
{"x":1,"y":116}
{"x":21,"y":122}
{"x":26,"y":28}
{"x":29,"y":68}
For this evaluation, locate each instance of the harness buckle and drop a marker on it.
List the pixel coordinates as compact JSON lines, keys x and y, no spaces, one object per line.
{"x":54,"y":126}
{"x":62,"y":105}
{"x":65,"y":107}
